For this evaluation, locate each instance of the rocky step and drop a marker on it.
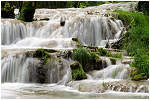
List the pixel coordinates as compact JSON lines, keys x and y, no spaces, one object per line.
{"x":102,"y":86}
{"x":127,"y":60}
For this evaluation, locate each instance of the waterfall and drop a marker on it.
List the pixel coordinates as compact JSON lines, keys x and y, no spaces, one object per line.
{"x":54,"y":76}
{"x":90,"y":30}
{"x":20,"y":68}
{"x":119,"y":71}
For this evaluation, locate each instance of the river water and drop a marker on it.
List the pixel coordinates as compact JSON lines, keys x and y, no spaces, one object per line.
{"x":18,"y":72}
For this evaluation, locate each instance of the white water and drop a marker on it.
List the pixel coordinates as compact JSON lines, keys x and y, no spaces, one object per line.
{"x":18,"y":37}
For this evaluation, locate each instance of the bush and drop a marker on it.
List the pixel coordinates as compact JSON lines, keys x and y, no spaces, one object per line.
{"x":143,"y":6}
{"x":27,"y":14}
{"x":141,"y":62}
{"x":138,"y":77}
{"x":7,"y":11}
{"x":137,"y":42}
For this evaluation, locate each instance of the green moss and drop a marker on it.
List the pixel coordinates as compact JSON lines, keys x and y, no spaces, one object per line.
{"x":39,"y":53}
{"x":102,"y":51}
{"x":113,"y":61}
{"x":81,"y":55}
{"x":75,"y":65}
{"x":59,"y":60}
{"x":138,"y":77}
{"x":117,"y":55}
{"x":75,"y":39}
{"x":94,"y":57}
{"x":92,"y":47}
{"x":77,"y":71}
{"x":77,"y":42}
{"x":135,"y":75}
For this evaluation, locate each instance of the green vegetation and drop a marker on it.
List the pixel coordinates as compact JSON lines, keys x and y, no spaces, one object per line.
{"x":81,"y":55}
{"x":78,"y":44}
{"x":95,"y":57}
{"x":143,"y":6}
{"x":7,"y":10}
{"x":27,"y":8}
{"x":136,"y":42}
{"x":103,"y":52}
{"x":136,"y":76}
{"x":27,"y":12}
{"x":91,"y":60}
{"x":113,"y":61}
{"x":77,"y":71}
{"x":116,"y":55}
{"x":75,"y":39}
{"x":40,"y":53}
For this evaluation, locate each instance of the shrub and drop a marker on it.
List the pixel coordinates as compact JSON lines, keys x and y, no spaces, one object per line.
{"x":138,"y":77}
{"x":137,"y":41}
{"x":27,"y":14}
{"x":143,"y":6}
{"x":141,"y":62}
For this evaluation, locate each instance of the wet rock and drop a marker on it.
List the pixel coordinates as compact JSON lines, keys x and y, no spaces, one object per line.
{"x":62,"y":21}
{"x":37,"y":71}
{"x":113,"y":61}
{"x":78,"y":44}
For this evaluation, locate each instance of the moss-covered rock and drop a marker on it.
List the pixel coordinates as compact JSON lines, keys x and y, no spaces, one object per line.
{"x":89,"y":60}
{"x":78,"y":44}
{"x":95,"y":57}
{"x":75,"y":39}
{"x":138,"y":77}
{"x":82,"y":55}
{"x":39,"y":53}
{"x":77,"y":71}
{"x":113,"y":61}
{"x":102,"y":51}
{"x":135,"y":76}
{"x":92,"y":48}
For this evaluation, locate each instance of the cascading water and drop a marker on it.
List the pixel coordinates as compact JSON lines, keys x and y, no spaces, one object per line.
{"x":90,"y":30}
{"x":20,"y":72}
{"x":24,"y":68}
